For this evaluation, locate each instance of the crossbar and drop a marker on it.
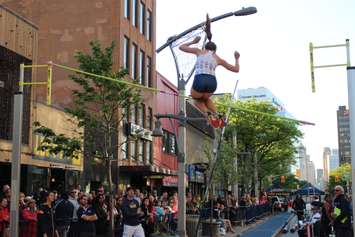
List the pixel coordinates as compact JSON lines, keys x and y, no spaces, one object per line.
{"x":331,"y":65}
{"x":329,"y":46}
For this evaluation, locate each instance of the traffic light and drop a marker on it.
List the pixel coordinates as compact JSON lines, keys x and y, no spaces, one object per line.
{"x":337,"y":178}
{"x":283,"y":179}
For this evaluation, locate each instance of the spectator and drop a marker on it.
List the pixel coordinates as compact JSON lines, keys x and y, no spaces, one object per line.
{"x":4,"y":217}
{"x":131,"y":213}
{"x":341,"y":215}
{"x":137,"y":196}
{"x":164,"y":197}
{"x":73,"y":231}
{"x":101,"y":211}
{"x":147,"y":219}
{"x":29,"y":215}
{"x":63,"y":215}
{"x":86,"y":218}
{"x":222,"y":216}
{"x":299,"y":205}
{"x":326,"y":217}
{"x":46,"y":227}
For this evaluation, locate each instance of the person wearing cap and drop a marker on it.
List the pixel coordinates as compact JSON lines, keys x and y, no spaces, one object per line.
{"x":29,"y":214}
{"x":131,"y":212}
{"x":341,"y":214}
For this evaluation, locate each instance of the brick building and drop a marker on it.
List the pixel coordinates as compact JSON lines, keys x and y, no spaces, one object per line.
{"x":66,"y":27}
{"x":18,"y":44}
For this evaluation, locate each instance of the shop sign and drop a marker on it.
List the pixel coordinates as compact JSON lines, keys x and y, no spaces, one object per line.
{"x":199,"y":177}
{"x":138,"y":131}
{"x":170,"y":181}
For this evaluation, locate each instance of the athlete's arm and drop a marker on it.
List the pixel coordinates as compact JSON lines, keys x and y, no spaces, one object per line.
{"x":186,"y":47}
{"x":228,"y":66}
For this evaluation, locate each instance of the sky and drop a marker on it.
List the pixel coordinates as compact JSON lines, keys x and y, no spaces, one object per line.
{"x":273,"y":44}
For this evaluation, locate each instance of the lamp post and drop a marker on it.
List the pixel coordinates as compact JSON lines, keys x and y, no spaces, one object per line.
{"x":181,"y":82}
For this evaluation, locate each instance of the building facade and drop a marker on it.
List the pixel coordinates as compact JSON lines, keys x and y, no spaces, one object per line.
{"x":320,"y":179}
{"x":199,"y":135}
{"x":343,"y":135}
{"x":66,"y":27}
{"x":19,"y":44}
{"x":326,"y":159}
{"x":334,"y":160}
{"x":264,"y":94}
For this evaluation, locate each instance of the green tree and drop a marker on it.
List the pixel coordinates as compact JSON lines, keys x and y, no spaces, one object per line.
{"x":340,"y":176}
{"x":225,"y":173}
{"x":96,"y":107}
{"x":268,"y":139}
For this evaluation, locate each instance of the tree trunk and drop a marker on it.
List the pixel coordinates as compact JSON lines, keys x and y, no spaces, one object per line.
{"x":112,"y":220}
{"x":256,"y":179}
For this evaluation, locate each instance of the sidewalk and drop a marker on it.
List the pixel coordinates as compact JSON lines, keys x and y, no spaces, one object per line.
{"x":267,"y":228}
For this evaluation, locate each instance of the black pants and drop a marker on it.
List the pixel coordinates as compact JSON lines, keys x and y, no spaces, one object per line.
{"x":343,"y":232}
{"x":325,"y":229}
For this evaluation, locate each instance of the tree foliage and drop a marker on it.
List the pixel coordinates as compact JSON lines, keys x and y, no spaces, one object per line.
{"x":340,"y":176}
{"x":260,"y":134}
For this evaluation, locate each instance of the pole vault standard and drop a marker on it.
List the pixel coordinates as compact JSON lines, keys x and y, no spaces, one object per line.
{"x":16,"y":141}
{"x":181,"y":82}
{"x":351,"y":101}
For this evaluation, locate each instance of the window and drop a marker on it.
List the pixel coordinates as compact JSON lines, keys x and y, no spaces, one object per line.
{"x":141,"y":67}
{"x":134,"y":13}
{"x":149,"y":71}
{"x":125,"y":151}
{"x":142,"y":18}
{"x":136,"y":111}
{"x":134,"y":61}
{"x":150,"y":152}
{"x":133,"y":149}
{"x":133,"y":115}
{"x":150,"y":118}
{"x":142,"y":114}
{"x":140,"y":150}
{"x":149,"y":25}
{"x":126,"y":8}
{"x":126,"y":53}
{"x":169,"y":143}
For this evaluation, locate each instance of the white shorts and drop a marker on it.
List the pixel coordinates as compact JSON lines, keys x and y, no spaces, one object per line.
{"x":133,"y":231}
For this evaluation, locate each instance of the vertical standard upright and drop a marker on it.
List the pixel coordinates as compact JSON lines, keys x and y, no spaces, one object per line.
{"x":351,"y":98}
{"x":16,"y":156}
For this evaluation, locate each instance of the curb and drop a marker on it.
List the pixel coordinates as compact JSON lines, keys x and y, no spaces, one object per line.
{"x":278,"y":231}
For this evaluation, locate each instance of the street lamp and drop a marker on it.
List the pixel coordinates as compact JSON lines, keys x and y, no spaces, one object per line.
{"x":157,"y":132}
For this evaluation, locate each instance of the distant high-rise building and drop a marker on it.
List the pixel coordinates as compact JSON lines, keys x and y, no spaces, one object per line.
{"x":306,"y":169}
{"x":311,"y":171}
{"x":320,"y":178}
{"x":301,"y":158}
{"x":264,"y":94}
{"x":343,"y":135}
{"x":326,"y":158}
{"x":334,"y":160}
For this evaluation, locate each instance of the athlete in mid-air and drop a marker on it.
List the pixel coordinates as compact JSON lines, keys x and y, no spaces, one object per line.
{"x":205,"y":83}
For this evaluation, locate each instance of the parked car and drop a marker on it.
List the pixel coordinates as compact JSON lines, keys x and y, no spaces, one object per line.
{"x":279,"y":203}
